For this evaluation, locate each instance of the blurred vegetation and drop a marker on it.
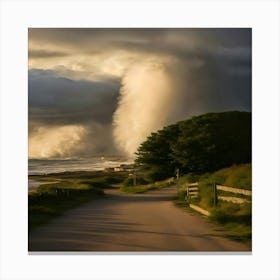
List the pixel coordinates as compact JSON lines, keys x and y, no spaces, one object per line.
{"x":108,"y":177}
{"x":146,"y":187}
{"x":129,"y":181}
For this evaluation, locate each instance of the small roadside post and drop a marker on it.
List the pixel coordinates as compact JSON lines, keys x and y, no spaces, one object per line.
{"x":215,"y":198}
{"x":187,"y":195}
{"x":134,"y":177}
{"x":177,"y":174}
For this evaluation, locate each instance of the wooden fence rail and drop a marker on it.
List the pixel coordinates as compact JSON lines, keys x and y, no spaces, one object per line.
{"x":192,"y":191}
{"x":234,"y":190}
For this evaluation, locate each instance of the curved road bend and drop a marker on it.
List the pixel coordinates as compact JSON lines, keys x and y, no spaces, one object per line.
{"x":128,"y":222}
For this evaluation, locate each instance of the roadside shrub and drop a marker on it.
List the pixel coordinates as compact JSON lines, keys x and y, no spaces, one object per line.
{"x":227,"y":212}
{"x":181,"y":194}
{"x":97,"y":184}
{"x":239,"y":176}
{"x":129,"y":181}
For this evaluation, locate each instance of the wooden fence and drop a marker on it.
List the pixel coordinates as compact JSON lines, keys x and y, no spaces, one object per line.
{"x":233,"y":199}
{"x":192,"y":191}
{"x":234,"y":190}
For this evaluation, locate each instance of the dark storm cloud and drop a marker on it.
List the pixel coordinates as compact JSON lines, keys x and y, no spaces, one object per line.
{"x":226,"y":36}
{"x":55,"y":100}
{"x":225,"y":51}
{"x":170,"y":41}
{"x":82,"y":36}
{"x":45,"y":54}
{"x":218,"y":87}
{"x":212,"y":69}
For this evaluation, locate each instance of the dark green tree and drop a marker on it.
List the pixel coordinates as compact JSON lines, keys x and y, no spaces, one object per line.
{"x":154,"y":156}
{"x":213,"y":141}
{"x":201,"y":144}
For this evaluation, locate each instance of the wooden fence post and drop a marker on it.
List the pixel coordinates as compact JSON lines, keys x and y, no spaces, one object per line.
{"x":188,"y":195}
{"x":215,"y":195}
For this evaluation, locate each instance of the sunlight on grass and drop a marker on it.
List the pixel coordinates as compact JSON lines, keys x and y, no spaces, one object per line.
{"x":147,"y":187}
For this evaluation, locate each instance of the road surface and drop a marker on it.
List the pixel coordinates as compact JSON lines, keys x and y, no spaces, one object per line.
{"x":127,"y":223}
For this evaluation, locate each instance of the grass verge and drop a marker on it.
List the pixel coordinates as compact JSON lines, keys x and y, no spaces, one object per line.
{"x":235,"y":218}
{"x":237,"y":226}
{"x":145,"y":188}
{"x":51,"y":200}
{"x":62,"y":191}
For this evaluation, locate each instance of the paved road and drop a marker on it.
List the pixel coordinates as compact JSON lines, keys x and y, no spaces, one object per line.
{"x":128,"y":222}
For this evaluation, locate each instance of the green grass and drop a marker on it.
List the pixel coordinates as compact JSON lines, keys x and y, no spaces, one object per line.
{"x":237,"y":225}
{"x":236,"y":218}
{"x":69,"y":190}
{"x":237,"y":176}
{"x":51,"y":200}
{"x":239,"y":232}
{"x":146,"y":187}
{"x":107,"y":177}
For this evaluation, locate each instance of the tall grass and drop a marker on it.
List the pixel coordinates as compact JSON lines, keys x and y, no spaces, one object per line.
{"x":235,"y":217}
{"x":70,"y":190}
{"x":50,"y":200}
{"x":238,"y":176}
{"x":146,"y":187}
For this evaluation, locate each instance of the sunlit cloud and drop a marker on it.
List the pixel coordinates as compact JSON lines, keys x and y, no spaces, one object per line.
{"x":112,"y":87}
{"x":51,"y":142}
{"x":146,"y":92}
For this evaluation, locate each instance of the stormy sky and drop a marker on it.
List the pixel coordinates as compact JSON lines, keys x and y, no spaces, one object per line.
{"x":103,"y":91}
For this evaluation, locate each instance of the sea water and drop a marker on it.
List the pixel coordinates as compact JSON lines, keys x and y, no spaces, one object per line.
{"x":45,"y":166}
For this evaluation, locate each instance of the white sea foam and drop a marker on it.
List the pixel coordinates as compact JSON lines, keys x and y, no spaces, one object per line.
{"x":38,"y":166}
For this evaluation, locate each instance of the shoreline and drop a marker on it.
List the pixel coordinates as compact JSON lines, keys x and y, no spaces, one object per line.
{"x":50,"y":167}
{"x":36,"y":180}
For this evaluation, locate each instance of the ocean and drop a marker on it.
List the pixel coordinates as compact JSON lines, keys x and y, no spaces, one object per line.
{"x":45,"y":166}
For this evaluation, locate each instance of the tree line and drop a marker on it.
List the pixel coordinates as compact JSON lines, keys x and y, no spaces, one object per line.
{"x":198,"y":145}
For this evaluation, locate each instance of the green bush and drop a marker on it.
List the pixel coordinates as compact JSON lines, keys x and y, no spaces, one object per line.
{"x":236,"y":176}
{"x":227,"y":212}
{"x":129,"y":181}
{"x":181,"y":194}
{"x":50,"y":200}
{"x":102,"y":184}
{"x":146,"y":187}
